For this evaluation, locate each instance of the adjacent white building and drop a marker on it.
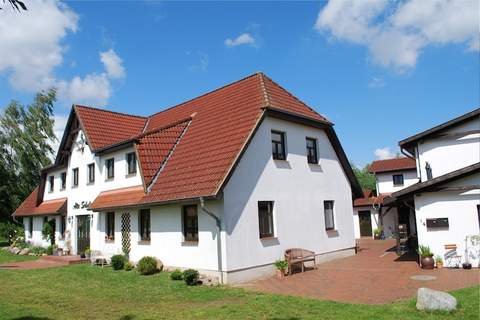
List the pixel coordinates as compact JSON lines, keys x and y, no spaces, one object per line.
{"x":223,"y":183}
{"x":446,"y":201}
{"x":369,"y":212}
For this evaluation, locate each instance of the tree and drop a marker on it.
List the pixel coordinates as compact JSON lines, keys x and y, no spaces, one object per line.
{"x":365,"y":178}
{"x":16,"y":5}
{"x":26,"y":136}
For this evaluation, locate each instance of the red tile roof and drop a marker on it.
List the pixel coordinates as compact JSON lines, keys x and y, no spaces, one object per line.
{"x":50,"y":207}
{"x":370,"y":199}
{"x":104,"y":128}
{"x":392,"y":165}
{"x":118,"y":198}
{"x":187,"y":151}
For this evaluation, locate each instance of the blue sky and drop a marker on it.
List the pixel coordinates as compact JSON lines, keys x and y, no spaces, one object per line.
{"x":379,"y":81}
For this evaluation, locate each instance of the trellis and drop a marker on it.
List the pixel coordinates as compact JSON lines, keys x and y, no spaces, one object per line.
{"x":126,"y":233}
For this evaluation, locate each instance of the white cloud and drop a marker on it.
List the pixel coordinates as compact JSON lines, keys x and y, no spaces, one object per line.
{"x":376,"y":82}
{"x":113,"y":64}
{"x":384,"y":153}
{"x":31,"y":49}
{"x":31,"y":42}
{"x":92,"y":89}
{"x":243,"y":39}
{"x":396,"y":33}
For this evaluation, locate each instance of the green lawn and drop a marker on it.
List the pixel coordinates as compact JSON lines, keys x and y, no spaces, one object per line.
{"x":9,"y":257}
{"x":86,"y":292}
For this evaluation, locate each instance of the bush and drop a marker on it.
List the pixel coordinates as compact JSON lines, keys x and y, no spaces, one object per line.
{"x":49,"y":250}
{"x":38,"y":250}
{"x":12,"y":232}
{"x":191,"y":277}
{"x":129,"y":266}
{"x":48,"y":231}
{"x":117,"y":262}
{"x":281,"y":265}
{"x":176,"y":275}
{"x":147,"y":265}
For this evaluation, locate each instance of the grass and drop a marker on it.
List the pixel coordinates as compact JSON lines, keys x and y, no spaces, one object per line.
{"x":86,"y":292}
{"x":6,"y":257}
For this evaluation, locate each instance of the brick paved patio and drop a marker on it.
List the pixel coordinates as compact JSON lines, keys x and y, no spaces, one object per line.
{"x":374,"y":276}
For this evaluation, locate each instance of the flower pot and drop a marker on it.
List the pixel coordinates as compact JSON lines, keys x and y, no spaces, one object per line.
{"x":280,"y":274}
{"x":427,"y":263}
{"x":439,"y":265}
{"x":467,"y":265}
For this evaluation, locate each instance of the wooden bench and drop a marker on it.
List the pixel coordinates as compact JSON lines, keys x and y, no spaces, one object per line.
{"x":299,"y":256}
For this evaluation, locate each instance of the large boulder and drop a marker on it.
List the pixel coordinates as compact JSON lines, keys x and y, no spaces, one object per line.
{"x":428,"y":299}
{"x":15,"y":250}
{"x":24,"y":252}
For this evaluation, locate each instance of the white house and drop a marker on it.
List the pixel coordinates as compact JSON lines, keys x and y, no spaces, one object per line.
{"x":446,"y":201}
{"x":369,"y":213}
{"x":223,"y":183}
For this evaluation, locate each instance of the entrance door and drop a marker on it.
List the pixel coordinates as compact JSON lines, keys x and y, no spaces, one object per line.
{"x":83,"y":233}
{"x":365,"y":219}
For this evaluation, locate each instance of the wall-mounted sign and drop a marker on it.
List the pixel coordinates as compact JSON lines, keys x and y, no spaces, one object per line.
{"x":81,"y":205}
{"x":437,"y":223}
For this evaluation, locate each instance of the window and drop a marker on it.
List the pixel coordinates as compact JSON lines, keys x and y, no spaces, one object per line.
{"x":329,"y":217}
{"x":278,"y":145}
{"x":428,"y":170}
{"x":91,"y":173}
{"x":131,"y":163}
{"x":110,"y":226}
{"x":75,"y":177}
{"x":265,"y":219}
{"x":30,"y":226}
{"x":51,"y":180}
{"x":144,"y":224}
{"x":398,"y":179}
{"x":312,"y":150}
{"x":109,"y":164}
{"x":190,"y":223}
{"x":63,"y":177}
{"x":63,"y":226}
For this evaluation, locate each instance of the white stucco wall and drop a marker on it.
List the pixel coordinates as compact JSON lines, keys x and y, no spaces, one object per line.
{"x":385,"y":180}
{"x":298,"y":190}
{"x":461,"y":211}
{"x":35,"y":237}
{"x":167,"y":241}
{"x":446,"y":154}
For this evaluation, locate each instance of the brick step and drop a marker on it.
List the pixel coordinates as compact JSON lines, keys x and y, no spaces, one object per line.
{"x":67,"y":259}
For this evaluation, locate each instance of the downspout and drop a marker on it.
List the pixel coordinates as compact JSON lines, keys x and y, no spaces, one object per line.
{"x":219,"y":236}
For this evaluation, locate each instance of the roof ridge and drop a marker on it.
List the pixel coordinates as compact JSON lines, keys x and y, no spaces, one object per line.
{"x":264,"y":89}
{"x":207,"y":93}
{"x":164,"y":163}
{"x":110,"y":111}
{"x":156,"y":130}
{"x":294,"y":97}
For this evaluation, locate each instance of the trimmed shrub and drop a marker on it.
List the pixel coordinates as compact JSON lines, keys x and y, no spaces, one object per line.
{"x":191,"y":277}
{"x":117,"y":262}
{"x":129,"y":266}
{"x":49,"y":250}
{"x":176,"y":275}
{"x":147,"y":266}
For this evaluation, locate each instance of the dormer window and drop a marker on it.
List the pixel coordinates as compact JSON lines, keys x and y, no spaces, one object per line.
{"x":51,"y":183}
{"x":312,"y":157}
{"x":398,"y":180}
{"x":110,"y":166}
{"x":63,"y":177}
{"x":131,"y":163}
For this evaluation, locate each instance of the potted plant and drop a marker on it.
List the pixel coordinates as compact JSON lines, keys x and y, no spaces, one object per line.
{"x":281,"y":266}
{"x":426,"y":257}
{"x":439,"y":262}
{"x":377,"y":233}
{"x":88,"y":252}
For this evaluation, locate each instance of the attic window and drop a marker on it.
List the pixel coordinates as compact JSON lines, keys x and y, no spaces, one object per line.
{"x":131,"y":163}
{"x":51,"y":181}
{"x":110,"y":165}
{"x":278,"y":145}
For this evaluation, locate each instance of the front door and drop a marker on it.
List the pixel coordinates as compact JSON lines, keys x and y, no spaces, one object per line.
{"x":83,"y":233}
{"x":365,"y":220}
